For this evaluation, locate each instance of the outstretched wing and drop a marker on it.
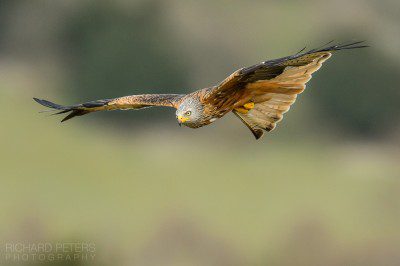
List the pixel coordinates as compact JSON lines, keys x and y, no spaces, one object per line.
{"x":271,"y":85}
{"x":122,"y":103}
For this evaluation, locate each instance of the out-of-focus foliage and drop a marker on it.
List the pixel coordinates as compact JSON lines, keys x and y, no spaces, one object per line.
{"x":362,"y":95}
{"x":114,"y":52}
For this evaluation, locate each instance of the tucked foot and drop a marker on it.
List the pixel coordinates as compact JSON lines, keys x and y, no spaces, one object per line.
{"x":245,"y":108}
{"x":249,"y":105}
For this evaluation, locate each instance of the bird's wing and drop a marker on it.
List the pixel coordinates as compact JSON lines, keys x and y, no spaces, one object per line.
{"x":122,"y":103}
{"x":271,"y":85}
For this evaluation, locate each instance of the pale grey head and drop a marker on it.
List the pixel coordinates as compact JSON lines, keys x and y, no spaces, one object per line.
{"x":190,"y":113}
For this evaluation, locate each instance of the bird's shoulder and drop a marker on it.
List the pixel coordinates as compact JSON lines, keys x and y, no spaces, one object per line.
{"x":200,"y":94}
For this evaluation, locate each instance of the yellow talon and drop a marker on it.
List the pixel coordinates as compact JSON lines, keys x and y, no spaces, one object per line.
{"x":249,"y":105}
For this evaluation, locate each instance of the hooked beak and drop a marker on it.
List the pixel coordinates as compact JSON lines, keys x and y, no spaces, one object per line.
{"x":181,"y":119}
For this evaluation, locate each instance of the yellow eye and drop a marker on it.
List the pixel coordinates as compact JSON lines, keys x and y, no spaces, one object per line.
{"x":188,"y":113}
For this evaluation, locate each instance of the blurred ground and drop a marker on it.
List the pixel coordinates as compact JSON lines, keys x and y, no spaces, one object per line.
{"x":322,"y":189}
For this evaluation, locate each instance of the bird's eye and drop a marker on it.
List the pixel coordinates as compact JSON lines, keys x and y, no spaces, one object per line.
{"x":188,"y":113}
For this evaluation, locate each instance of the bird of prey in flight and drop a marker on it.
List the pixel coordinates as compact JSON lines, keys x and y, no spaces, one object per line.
{"x":258,"y":95}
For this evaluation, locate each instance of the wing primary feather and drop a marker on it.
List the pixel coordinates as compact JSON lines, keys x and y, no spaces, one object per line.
{"x":302,"y":50}
{"x":51,"y":104}
{"x":75,"y":113}
{"x":338,"y":47}
{"x":76,"y":110}
{"x":322,"y":46}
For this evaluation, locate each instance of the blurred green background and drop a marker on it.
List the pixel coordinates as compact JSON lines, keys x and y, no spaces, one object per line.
{"x":322,"y":189}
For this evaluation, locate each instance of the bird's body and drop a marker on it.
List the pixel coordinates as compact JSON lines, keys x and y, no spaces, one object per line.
{"x":258,"y":95}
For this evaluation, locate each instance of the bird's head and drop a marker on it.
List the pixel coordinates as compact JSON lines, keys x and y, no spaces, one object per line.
{"x":190,"y":112}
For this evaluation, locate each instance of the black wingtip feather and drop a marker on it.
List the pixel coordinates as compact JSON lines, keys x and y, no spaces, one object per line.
{"x":76,"y":110}
{"x":74,"y":113}
{"x":51,"y":104}
{"x":63,"y":109}
{"x":302,"y":50}
{"x":338,"y":47}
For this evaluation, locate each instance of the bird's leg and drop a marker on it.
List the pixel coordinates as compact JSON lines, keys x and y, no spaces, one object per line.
{"x":245,"y":108}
